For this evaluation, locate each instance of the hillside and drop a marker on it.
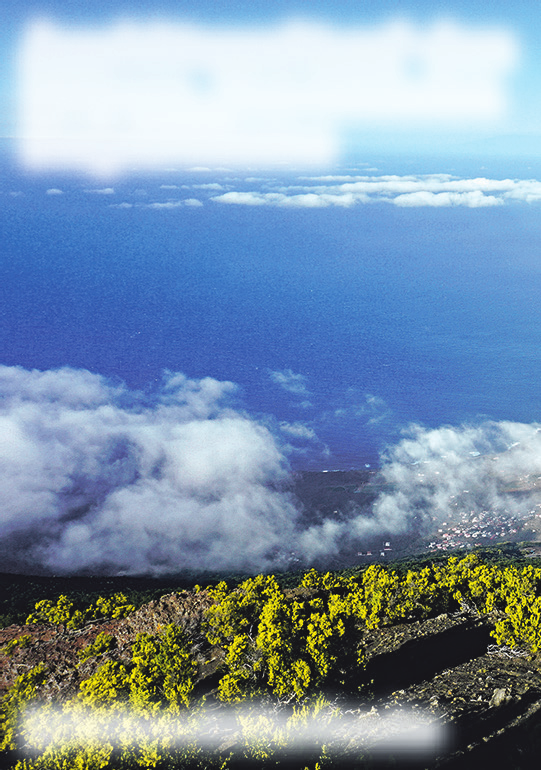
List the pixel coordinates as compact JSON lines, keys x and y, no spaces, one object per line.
{"x":401,"y":680}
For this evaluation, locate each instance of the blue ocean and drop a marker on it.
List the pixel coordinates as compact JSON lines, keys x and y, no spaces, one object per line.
{"x":351,"y":321}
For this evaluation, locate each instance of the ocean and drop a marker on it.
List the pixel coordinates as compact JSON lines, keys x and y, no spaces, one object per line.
{"x":339,"y":325}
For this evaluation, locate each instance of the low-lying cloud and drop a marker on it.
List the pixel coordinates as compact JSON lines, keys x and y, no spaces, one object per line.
{"x":439,"y":474}
{"x":442,"y":475}
{"x":434,"y":190}
{"x":337,"y":191}
{"x":290,"y":381}
{"x":95,"y":477}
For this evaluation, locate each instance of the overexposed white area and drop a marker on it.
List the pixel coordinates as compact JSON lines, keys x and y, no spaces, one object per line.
{"x":152,"y":94}
{"x":403,"y":732}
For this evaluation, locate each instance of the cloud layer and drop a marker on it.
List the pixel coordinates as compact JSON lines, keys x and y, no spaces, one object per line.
{"x":435,"y":190}
{"x":94,"y":477}
{"x":340,"y":191}
{"x":440,"y":473}
{"x":97,"y":478}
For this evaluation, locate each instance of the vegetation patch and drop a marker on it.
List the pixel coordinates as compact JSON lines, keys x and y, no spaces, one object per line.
{"x":311,"y":654}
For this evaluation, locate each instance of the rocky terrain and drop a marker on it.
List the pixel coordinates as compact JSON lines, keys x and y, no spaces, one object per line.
{"x":486,"y":699}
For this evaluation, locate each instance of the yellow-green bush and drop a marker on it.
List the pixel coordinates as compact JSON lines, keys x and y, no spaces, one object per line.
{"x":160,"y":675}
{"x":21,"y":641}
{"x":102,"y":643}
{"x":20,"y":694}
{"x":64,"y":612}
{"x":280,"y":645}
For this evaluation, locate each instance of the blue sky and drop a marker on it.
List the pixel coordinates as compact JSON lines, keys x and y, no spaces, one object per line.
{"x":438,"y":122}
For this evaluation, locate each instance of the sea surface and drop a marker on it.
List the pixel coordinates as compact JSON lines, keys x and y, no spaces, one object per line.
{"x":351,"y":323}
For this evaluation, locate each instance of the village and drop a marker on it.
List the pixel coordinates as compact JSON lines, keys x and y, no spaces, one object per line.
{"x":477,"y":528}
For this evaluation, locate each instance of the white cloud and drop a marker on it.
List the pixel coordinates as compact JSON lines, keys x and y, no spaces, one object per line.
{"x":174,"y":204}
{"x":432,"y":183}
{"x":102,"y":191}
{"x":469,"y":199}
{"x":313,"y":200}
{"x":376,"y":408}
{"x":94,"y":476}
{"x":345,"y":191}
{"x":208,"y":186}
{"x":298,"y":430}
{"x":290,"y":381}
{"x":160,"y":205}
{"x":436,"y":473}
{"x":166,"y":205}
{"x":244,"y":198}
{"x":88,"y":482}
{"x":528,"y":191}
{"x":434,"y":190}
{"x":307,"y":200}
{"x":354,"y":406}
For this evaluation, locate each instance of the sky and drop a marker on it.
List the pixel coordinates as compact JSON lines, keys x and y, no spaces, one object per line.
{"x":242,"y":239}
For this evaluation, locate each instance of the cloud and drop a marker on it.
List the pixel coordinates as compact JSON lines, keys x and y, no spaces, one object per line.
{"x":298,"y":430}
{"x":166,"y":205}
{"x":194,"y":202}
{"x":444,"y":475}
{"x":102,"y":191}
{"x":392,"y":184}
{"x":208,"y":186}
{"x":306,"y":200}
{"x":528,"y":191}
{"x":300,"y":439}
{"x":243,"y":198}
{"x":346,"y":191}
{"x":432,"y":190}
{"x":376,"y":408}
{"x":438,"y":473}
{"x":291,"y":382}
{"x":96,"y":477}
{"x":160,"y":205}
{"x":471,"y":200}
{"x":369,"y":408}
